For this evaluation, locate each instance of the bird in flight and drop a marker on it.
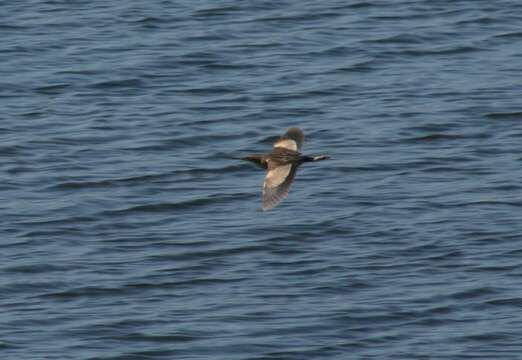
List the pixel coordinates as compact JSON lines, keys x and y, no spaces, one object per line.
{"x":281,"y":165}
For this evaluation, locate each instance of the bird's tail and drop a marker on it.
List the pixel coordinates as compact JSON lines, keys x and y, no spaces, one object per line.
{"x":315,"y":158}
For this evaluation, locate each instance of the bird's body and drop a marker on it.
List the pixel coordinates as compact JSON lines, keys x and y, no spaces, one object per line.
{"x":282,"y":164}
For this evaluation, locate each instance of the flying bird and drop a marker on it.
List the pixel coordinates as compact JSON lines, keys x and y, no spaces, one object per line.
{"x":282,"y":164}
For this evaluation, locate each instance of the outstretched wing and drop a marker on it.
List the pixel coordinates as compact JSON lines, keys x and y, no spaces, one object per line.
{"x":277,"y":184}
{"x":293,"y":140}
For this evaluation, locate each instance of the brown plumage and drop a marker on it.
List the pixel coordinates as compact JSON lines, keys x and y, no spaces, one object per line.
{"x":282,"y":164}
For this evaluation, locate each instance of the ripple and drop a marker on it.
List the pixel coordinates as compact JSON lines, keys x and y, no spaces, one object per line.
{"x":169,"y":338}
{"x":115,"y":84}
{"x":216,"y":11}
{"x":299,"y":17}
{"x":451,"y":50}
{"x":516,"y":302}
{"x":474,"y":293}
{"x":201,"y":254}
{"x":517,"y":115}
{"x":179,"y":206}
{"x":398,"y":39}
{"x":510,"y":34}
{"x":133,"y":180}
{"x":435,"y":137}
{"x":54,"y":89}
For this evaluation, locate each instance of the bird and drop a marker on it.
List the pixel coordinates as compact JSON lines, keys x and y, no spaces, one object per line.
{"x":281,"y":165}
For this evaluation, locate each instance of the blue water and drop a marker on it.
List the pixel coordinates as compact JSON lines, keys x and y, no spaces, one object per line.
{"x":128,"y":231}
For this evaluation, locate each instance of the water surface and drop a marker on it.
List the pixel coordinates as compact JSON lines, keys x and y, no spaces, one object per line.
{"x":128,"y":232}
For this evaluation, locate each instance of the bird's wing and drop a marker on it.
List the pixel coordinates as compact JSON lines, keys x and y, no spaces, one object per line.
{"x":293,"y":140}
{"x":277,"y":184}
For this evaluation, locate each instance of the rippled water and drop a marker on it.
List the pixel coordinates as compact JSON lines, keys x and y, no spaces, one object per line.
{"x":129,"y":232}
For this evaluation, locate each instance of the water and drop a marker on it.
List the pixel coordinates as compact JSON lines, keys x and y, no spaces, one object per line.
{"x":128,"y":232}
